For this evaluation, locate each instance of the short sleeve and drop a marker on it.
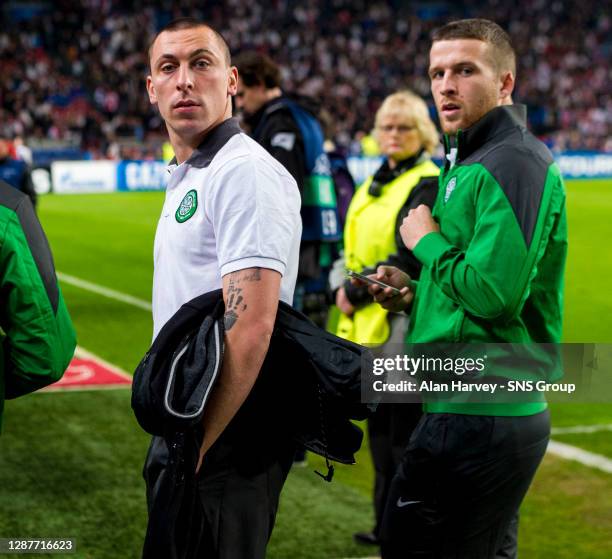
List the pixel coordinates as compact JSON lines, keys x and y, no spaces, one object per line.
{"x":255,"y":211}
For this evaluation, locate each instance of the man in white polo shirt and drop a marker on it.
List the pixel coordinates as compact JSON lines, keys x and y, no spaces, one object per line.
{"x":231,"y":220}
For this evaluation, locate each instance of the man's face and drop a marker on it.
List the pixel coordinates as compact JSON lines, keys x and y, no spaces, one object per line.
{"x":249,"y":99}
{"x":191,"y":82}
{"x":464,"y":82}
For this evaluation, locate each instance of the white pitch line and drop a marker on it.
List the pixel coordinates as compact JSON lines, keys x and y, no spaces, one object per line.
{"x":581,"y":429}
{"x":81,"y":353}
{"x":576,"y":454}
{"x":105,"y":291}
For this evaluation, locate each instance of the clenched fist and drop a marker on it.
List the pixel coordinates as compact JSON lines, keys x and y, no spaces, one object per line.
{"x":418,"y":223}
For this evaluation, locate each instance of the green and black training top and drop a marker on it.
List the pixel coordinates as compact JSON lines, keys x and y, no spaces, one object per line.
{"x":494,"y":272}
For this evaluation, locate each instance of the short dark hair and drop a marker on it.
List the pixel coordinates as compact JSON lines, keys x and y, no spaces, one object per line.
{"x":255,"y":68}
{"x":502,"y":51}
{"x":192,"y":23}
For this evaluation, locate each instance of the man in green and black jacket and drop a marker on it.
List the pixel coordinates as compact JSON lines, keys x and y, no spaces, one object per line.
{"x":37,"y":339}
{"x":493,"y":252}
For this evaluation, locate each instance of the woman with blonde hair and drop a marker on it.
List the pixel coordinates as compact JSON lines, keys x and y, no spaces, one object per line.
{"x":407,"y":178}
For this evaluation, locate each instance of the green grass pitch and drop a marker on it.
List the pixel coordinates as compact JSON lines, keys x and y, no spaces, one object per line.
{"x":70,"y":463}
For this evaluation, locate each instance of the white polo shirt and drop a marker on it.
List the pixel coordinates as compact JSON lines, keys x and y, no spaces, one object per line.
{"x":230,"y":206}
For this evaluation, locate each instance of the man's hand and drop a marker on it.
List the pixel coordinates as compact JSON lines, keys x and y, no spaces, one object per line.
{"x":416,"y":225}
{"x":343,"y":303}
{"x":385,"y":297}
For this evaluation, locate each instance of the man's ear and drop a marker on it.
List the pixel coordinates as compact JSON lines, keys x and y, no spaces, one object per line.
{"x":151,"y":91}
{"x":232,"y":82}
{"x":506,"y":87}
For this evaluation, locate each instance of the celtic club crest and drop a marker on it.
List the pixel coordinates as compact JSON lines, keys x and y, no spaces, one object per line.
{"x":187,"y":207}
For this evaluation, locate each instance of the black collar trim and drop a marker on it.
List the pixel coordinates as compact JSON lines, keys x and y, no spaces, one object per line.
{"x":497,"y":121}
{"x":212,"y":143}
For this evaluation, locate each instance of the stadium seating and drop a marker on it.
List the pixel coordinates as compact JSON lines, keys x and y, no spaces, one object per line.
{"x":73,"y":73}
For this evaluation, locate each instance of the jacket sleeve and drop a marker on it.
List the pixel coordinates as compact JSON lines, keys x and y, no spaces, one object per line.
{"x":358,"y":295}
{"x":39,"y":337}
{"x":424,"y":192}
{"x":489,"y":278}
{"x":283,"y":140}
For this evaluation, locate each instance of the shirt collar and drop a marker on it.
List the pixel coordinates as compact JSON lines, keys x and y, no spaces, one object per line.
{"x":210,"y":145}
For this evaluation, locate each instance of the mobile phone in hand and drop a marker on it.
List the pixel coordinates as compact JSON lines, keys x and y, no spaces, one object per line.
{"x":366,"y":279}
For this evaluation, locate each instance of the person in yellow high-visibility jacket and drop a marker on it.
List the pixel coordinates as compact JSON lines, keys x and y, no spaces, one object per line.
{"x":406,"y":179}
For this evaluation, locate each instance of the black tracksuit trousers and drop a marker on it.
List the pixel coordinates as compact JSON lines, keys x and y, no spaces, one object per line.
{"x":460,"y":485}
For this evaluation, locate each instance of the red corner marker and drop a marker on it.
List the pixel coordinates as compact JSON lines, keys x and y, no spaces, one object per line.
{"x":88,"y":372}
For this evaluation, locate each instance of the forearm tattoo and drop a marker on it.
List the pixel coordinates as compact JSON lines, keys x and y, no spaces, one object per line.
{"x":236,"y":303}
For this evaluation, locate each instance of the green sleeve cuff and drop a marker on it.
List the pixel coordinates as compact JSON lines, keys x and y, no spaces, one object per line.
{"x":431,"y":247}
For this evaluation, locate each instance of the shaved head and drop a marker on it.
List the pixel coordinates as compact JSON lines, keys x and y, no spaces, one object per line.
{"x":192,"y":23}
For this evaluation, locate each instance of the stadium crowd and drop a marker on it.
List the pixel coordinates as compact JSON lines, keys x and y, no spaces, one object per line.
{"x":74,"y":73}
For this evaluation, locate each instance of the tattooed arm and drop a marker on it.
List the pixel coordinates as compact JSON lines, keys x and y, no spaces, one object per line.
{"x":251,"y":300}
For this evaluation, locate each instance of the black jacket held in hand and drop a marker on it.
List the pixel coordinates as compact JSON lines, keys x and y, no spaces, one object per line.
{"x":307,"y":391}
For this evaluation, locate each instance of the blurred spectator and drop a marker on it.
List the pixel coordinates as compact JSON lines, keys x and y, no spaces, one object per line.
{"x":344,"y":184}
{"x":15,"y":171}
{"x":288,"y":127}
{"x":406,"y":179}
{"x":22,"y":152}
{"x":73,"y":72}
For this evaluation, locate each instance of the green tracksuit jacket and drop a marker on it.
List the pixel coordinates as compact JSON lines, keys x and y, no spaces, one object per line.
{"x":494,"y":273}
{"x":37,"y":339}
